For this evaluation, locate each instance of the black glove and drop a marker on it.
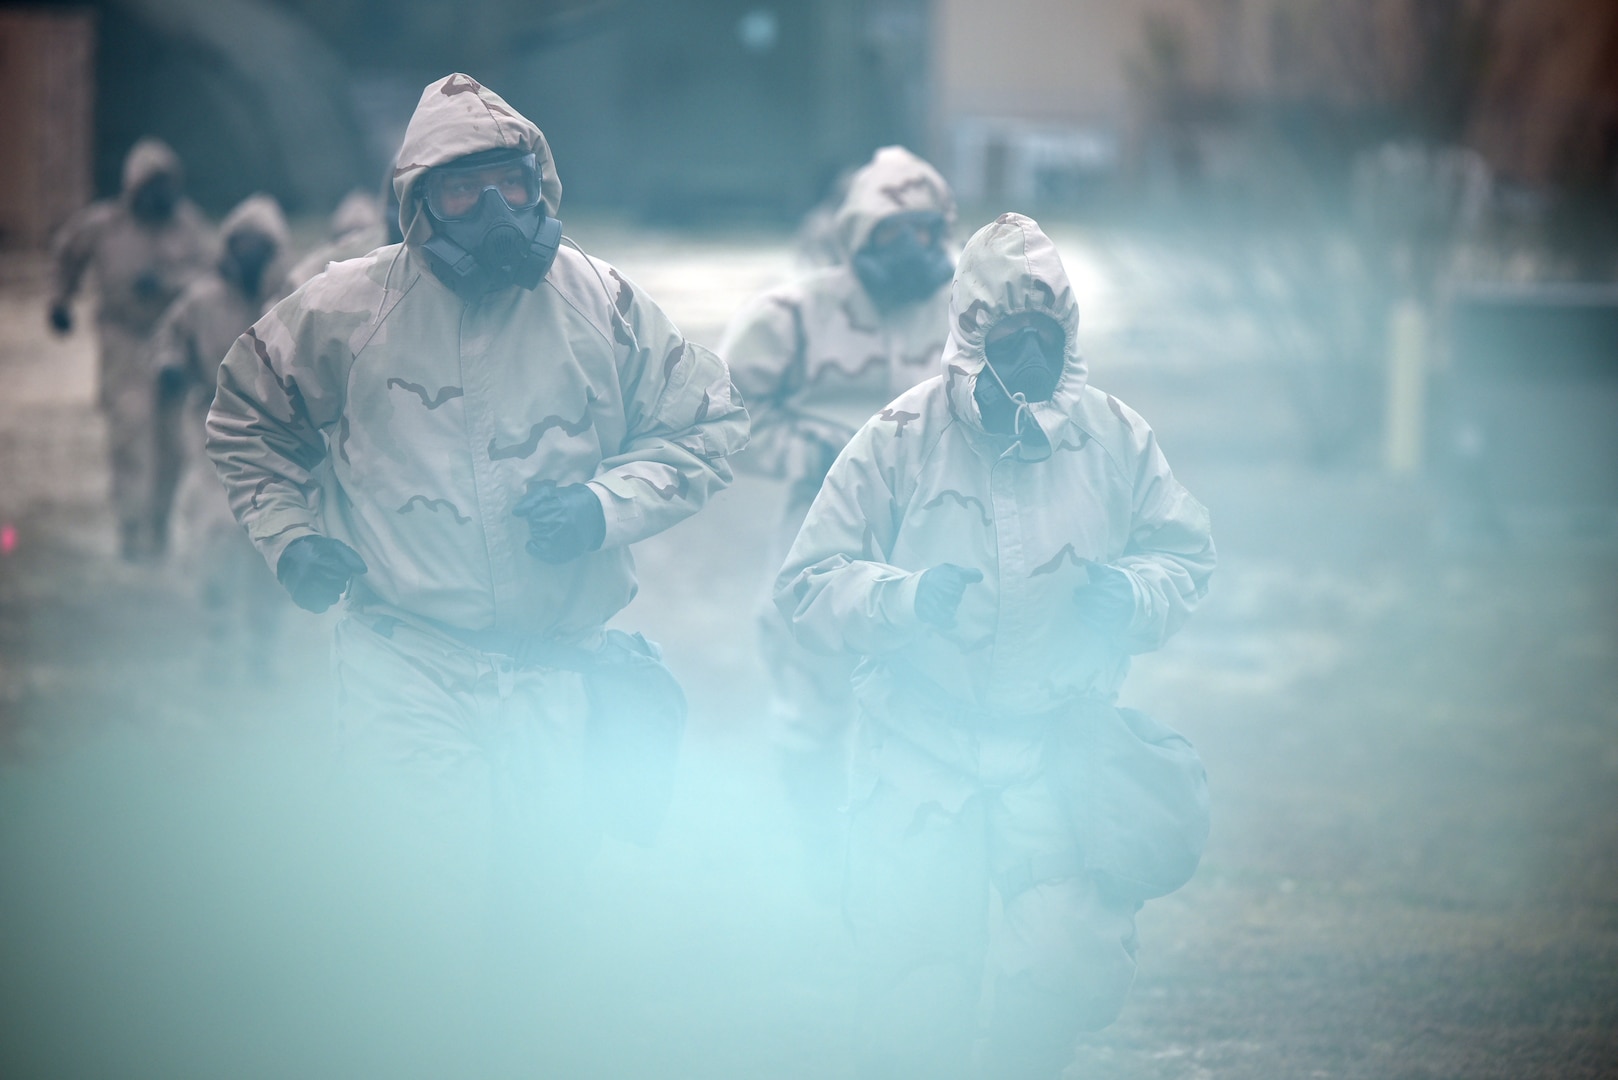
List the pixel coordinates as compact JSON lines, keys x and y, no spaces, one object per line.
{"x":317,"y":569}
{"x":563,"y":522}
{"x":1107,"y":602}
{"x":61,"y":318}
{"x":939,"y":593}
{"x":172,"y":384}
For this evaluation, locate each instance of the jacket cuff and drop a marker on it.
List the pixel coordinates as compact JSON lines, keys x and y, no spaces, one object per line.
{"x":623,"y":516}
{"x":896,"y":601}
{"x":273,"y":541}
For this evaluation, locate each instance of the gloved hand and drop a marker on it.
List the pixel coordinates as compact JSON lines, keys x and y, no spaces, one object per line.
{"x":61,"y":318}
{"x":317,"y":569}
{"x":1107,"y":602}
{"x":563,"y":522}
{"x":939,"y":592}
{"x":171,"y":384}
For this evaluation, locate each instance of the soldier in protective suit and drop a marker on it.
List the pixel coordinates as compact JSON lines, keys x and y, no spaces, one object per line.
{"x":243,"y":602}
{"x":503,"y":416}
{"x":360,"y":224}
{"x":995,"y":545}
{"x":815,"y":358}
{"x":142,"y":249}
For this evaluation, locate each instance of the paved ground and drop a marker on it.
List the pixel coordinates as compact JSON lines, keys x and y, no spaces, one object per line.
{"x":1413,"y":748}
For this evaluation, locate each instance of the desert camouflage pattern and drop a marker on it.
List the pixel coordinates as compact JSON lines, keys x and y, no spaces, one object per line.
{"x":957,"y":778}
{"x":138,"y":270}
{"x":923,"y":483}
{"x":437,"y":414}
{"x":814,"y":358}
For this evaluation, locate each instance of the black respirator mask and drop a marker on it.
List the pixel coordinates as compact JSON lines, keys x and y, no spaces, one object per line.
{"x":247,"y":256}
{"x":1023,"y":367}
{"x":490,"y":229}
{"x":905,"y":260}
{"x":155,"y":201}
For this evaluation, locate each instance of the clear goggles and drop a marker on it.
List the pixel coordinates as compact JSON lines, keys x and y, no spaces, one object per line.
{"x":453,"y":191}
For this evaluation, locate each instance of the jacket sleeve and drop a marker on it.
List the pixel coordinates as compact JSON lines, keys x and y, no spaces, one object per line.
{"x":172,"y":346}
{"x":683,"y":421}
{"x":280,"y":385}
{"x":1169,"y":554}
{"x":72,"y":249}
{"x":764,"y":346}
{"x":836,"y":589}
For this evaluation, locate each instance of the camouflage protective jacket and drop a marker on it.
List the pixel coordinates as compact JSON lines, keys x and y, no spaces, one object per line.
{"x":438,"y":414}
{"x":814,"y":357}
{"x":924,"y":483}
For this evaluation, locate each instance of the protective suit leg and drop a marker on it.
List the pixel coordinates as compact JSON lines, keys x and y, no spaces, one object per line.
{"x":917,"y":901}
{"x":128,"y":409}
{"x":1063,"y":955}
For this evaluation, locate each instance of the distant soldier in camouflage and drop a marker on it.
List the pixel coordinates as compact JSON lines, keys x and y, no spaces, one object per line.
{"x":241,"y":597}
{"x":142,"y":249}
{"x":815,"y":358}
{"x":503,"y":417}
{"x":360,"y":224}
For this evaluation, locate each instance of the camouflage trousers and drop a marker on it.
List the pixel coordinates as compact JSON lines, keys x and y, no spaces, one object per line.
{"x":930,"y":848}
{"x":810,"y":717}
{"x":484,"y":758}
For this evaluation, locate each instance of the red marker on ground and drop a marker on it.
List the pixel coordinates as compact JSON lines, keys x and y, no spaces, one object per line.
{"x":8,"y":539}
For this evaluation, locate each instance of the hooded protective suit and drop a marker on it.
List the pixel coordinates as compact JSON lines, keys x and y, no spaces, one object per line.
{"x":952,"y":766}
{"x":187,"y":347}
{"x":436,"y":414}
{"x":815,"y":358}
{"x":139,"y":266}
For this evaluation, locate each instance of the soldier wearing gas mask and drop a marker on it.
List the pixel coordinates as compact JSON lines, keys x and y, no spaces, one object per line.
{"x":142,"y":248}
{"x":503,"y":417}
{"x":995,"y":545}
{"x":815,"y":358}
{"x":241,"y":599}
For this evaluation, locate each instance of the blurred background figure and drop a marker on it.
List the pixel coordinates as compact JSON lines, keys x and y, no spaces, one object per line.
{"x":814,"y":359}
{"x":240,"y":596}
{"x":142,"y":249}
{"x":358,"y":226}
{"x":361,"y":223}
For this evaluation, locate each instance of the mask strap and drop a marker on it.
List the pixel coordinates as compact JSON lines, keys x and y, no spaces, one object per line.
{"x":1016,"y":399}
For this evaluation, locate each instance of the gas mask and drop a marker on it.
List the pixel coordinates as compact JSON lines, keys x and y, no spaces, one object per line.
{"x":247,"y":255}
{"x":490,"y":229}
{"x":155,"y":200}
{"x":1023,"y":367}
{"x":905,"y":260}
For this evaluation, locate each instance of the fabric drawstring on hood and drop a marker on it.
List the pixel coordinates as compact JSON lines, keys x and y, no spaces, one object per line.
{"x":1007,"y":267}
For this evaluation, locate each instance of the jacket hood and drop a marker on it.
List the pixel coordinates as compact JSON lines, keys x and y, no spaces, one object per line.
{"x":458,"y":116}
{"x":892,"y":182}
{"x":1011,"y":266}
{"x":357,"y":212}
{"x":149,"y":157}
{"x":257,"y":213}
